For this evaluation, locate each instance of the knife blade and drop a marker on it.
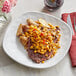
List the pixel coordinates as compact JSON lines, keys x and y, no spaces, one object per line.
{"x":70,"y":23}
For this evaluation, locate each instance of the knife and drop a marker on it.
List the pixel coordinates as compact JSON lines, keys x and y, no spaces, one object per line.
{"x":70,"y":23}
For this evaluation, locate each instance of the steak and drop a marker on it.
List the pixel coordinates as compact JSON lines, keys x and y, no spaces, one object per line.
{"x":37,"y":57}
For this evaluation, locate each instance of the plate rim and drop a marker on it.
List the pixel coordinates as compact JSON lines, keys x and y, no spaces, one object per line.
{"x":5,"y":50}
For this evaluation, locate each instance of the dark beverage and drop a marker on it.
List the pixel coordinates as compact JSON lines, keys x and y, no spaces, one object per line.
{"x":53,"y":4}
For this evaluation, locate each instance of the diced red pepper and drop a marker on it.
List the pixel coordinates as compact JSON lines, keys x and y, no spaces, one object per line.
{"x":42,"y":34}
{"x":35,"y":36}
{"x":44,"y":41}
{"x":34,"y":29}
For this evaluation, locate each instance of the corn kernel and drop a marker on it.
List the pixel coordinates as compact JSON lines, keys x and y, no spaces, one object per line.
{"x":35,"y":51}
{"x":37,"y":47}
{"x":46,"y":55}
{"x":59,"y":35}
{"x":31,"y":47}
{"x":58,"y":31}
{"x":23,"y":34}
{"x":54,"y":52}
{"x":42,"y":61}
{"x":49,"y":50}
{"x":32,"y":40}
{"x":47,"y":47}
{"x":42,"y":52}
{"x":54,"y":48}
{"x":45,"y":51}
{"x":51,"y":56}
{"x":26,"y":34}
{"x":34,"y":44}
{"x":35,"y":27}
{"x":50,"y":24}
{"x":58,"y":39}
{"x":38,"y":50}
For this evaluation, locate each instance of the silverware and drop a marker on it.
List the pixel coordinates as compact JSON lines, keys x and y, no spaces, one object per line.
{"x":70,"y":23}
{"x":74,"y":24}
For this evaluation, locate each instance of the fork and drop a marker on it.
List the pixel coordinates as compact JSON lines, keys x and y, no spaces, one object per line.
{"x":75,"y":24}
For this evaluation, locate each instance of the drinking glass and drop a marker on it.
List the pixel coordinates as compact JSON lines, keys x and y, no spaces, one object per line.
{"x":53,"y":4}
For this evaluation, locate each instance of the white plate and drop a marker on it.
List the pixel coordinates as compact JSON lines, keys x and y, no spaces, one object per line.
{"x":16,"y":51}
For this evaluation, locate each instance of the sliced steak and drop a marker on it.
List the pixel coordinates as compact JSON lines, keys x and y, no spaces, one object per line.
{"x":37,"y":57}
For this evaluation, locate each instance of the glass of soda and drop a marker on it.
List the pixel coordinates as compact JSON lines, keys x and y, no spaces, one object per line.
{"x":53,"y":4}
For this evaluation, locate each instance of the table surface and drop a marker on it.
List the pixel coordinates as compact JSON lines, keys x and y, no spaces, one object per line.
{"x":8,"y":67}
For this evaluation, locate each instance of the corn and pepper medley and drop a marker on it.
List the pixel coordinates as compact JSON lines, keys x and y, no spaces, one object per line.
{"x":41,"y":39}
